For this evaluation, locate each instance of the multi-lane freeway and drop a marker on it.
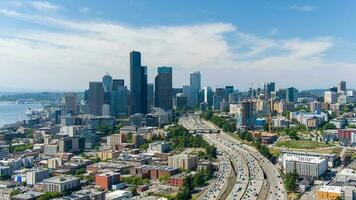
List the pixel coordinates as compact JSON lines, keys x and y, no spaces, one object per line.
{"x":255,"y":176}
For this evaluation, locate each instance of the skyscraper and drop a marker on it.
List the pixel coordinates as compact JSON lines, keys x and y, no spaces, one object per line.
{"x":269,"y":87}
{"x":208,"y":95}
{"x":163,"y":88}
{"x":195,"y":84}
{"x":96,"y":98}
{"x":119,"y":96}
{"x":341,"y":86}
{"x":69,"y":104}
{"x":246,"y":114}
{"x":292,"y":95}
{"x":138,"y":84}
{"x":150,"y":95}
{"x":107,"y":82}
{"x":187,"y":91}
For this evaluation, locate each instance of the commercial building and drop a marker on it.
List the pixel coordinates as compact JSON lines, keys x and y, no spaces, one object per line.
{"x":153,"y":172}
{"x":163,"y":88}
{"x":96,"y":98}
{"x":330,"y":97}
{"x":61,"y":183}
{"x":158,"y":147}
{"x":71,"y":144}
{"x":138,"y":84}
{"x":331,"y":158}
{"x":118,"y":195}
{"x":54,"y":163}
{"x":326,"y":192}
{"x":246,"y":114}
{"x":304,"y":165}
{"x":108,"y":155}
{"x":268,"y":88}
{"x":69,"y":105}
{"x":183,"y":161}
{"x":106,"y":180}
{"x":195,"y":84}
{"x":36,"y":176}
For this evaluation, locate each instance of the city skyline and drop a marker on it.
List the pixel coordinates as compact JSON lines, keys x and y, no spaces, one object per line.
{"x":59,"y":40}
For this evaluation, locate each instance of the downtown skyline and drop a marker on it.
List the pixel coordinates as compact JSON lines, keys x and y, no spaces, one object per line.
{"x":59,"y":40}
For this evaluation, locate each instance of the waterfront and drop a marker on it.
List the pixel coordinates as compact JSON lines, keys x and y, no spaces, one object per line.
{"x":10,"y":112}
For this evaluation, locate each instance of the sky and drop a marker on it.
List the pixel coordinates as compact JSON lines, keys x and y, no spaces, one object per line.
{"x":62,"y":45}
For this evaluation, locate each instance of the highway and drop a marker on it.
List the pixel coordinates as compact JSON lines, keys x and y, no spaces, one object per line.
{"x":252,"y":169}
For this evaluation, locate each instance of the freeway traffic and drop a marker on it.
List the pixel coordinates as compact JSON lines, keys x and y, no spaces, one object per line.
{"x":252,"y":169}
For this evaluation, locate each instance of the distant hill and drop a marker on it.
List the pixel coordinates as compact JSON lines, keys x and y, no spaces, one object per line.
{"x":37,"y":96}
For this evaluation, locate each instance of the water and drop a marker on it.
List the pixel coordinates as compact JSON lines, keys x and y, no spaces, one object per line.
{"x":11,"y":112}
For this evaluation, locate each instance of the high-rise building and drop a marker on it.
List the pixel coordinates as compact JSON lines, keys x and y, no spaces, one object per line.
{"x":138,"y":84}
{"x":183,"y":161}
{"x":187,"y":92}
{"x":330,"y":97}
{"x":119,"y":98}
{"x":246,"y":115}
{"x":96,"y":98}
{"x":150,"y":95}
{"x":69,"y":104}
{"x":208,"y":95}
{"x":195,"y":84}
{"x":107,"y":82}
{"x":218,"y":98}
{"x":292,"y":95}
{"x":163,"y":88}
{"x":180,"y":101}
{"x":341,"y":86}
{"x":269,"y":87}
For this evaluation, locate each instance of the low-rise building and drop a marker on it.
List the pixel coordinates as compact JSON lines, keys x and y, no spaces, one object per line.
{"x":61,"y":183}
{"x":106,"y":180}
{"x":118,"y":195}
{"x":183,"y":161}
{"x":158,"y":147}
{"x":326,"y":192}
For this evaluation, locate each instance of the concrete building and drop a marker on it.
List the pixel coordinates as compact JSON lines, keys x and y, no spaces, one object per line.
{"x":69,"y":105}
{"x":331,"y":158}
{"x":36,"y":176}
{"x":158,"y":147}
{"x":330,"y":97}
{"x":61,"y":183}
{"x":304,"y":165}
{"x":326,"y":192}
{"x":183,"y":161}
{"x":108,"y":155}
{"x":54,"y":163}
{"x":119,"y":195}
{"x":96,"y":98}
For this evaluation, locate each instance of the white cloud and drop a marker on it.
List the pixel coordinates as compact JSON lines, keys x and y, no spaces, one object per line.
{"x":68,"y":59}
{"x":274,"y":31}
{"x":303,"y":8}
{"x":44,"y":6}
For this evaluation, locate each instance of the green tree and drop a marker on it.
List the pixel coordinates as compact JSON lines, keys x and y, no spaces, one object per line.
{"x":291,"y":181}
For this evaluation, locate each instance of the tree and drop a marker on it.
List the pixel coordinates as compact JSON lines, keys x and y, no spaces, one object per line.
{"x":291,"y":181}
{"x":329,"y":126}
{"x":14,"y":192}
{"x":338,"y":198}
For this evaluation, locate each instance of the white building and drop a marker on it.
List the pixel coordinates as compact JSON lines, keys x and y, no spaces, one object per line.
{"x":158,"y":147}
{"x":304,"y":165}
{"x":330,"y":97}
{"x":36,"y":176}
{"x":119,"y":195}
{"x":61,"y":183}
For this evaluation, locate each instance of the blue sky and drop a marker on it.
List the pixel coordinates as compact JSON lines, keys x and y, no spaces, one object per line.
{"x":62,"y":45}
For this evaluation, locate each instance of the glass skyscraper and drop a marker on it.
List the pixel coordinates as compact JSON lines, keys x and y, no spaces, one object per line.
{"x":163,"y":88}
{"x":138,"y":84}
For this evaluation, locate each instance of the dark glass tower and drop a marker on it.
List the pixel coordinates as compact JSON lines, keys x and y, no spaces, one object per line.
{"x":163,"y":88}
{"x":138,"y":84}
{"x":95,"y":98}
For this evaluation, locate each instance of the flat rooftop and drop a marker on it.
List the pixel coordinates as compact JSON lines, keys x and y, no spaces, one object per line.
{"x":303,"y":158}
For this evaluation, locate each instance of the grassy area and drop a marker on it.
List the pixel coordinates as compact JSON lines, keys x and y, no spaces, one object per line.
{"x":302,"y":144}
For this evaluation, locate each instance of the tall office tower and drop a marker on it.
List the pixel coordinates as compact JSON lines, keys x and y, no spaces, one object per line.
{"x":208,"y":95}
{"x":218,"y":98}
{"x":107,"y":82}
{"x":69,"y":105}
{"x":195,"y":84}
{"x":138,"y":84}
{"x":330,"y":97}
{"x":229,"y":89}
{"x":269,"y":87}
{"x":281,"y":94}
{"x":246,"y":114}
{"x":163,"y":88}
{"x":341,"y":86}
{"x":117,"y":82}
{"x":150,"y":95}
{"x":119,"y":98}
{"x":292,"y":95}
{"x":96,"y":98}
{"x":187,"y":92}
